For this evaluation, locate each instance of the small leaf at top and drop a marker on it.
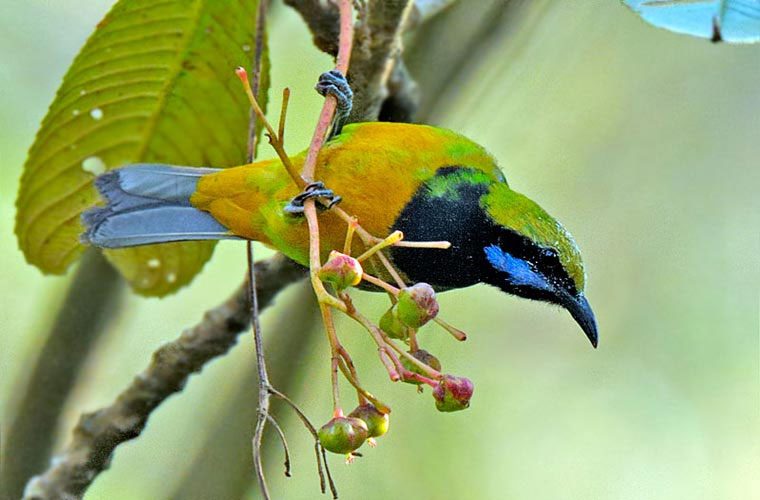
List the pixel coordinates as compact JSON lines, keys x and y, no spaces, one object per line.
{"x":734,"y":21}
{"x":154,"y":83}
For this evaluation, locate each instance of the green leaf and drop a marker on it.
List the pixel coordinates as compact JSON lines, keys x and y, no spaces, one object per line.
{"x":735,"y":21}
{"x":154,"y":83}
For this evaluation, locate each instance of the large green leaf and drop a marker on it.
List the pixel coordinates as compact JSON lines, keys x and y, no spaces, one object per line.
{"x":736,"y":21}
{"x":155,"y":82}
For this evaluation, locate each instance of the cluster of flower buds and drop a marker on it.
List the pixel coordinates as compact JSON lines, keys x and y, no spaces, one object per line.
{"x":341,"y":271}
{"x":414,"y":307}
{"x":344,"y":435}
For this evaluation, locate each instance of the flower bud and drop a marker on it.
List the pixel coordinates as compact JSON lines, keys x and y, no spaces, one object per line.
{"x":341,"y":271}
{"x":417,"y":305}
{"x":390,"y":324}
{"x":423,"y":356}
{"x":453,"y":393}
{"x":343,"y":435}
{"x":377,"y":422}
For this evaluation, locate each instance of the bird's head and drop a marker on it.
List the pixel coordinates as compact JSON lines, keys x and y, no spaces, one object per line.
{"x":530,"y":254}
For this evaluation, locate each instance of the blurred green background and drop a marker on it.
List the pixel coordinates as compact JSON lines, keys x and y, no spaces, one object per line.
{"x":644,"y":143}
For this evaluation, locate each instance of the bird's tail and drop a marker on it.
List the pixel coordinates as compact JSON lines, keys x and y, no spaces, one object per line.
{"x":149,"y":203}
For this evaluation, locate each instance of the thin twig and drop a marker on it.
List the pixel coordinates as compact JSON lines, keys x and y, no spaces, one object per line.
{"x":320,"y":452}
{"x":262,"y":409}
{"x":243,"y":75}
{"x":453,"y":331}
{"x":283,"y":114}
{"x":284,"y":441}
{"x":380,"y":283}
{"x":363,"y":394}
{"x":258,"y":55}
{"x":333,"y":489}
{"x":347,"y":363}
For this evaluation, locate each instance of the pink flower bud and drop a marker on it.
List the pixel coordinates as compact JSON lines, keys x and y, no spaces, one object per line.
{"x":341,"y":271}
{"x":453,"y":393}
{"x":417,"y":305}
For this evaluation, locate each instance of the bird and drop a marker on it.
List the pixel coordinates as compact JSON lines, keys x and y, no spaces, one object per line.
{"x":430,"y":183}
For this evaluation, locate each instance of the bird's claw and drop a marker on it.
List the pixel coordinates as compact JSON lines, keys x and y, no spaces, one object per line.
{"x":315,"y":190}
{"x":334,"y":83}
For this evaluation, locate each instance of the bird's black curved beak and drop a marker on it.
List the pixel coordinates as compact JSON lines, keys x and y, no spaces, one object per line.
{"x":581,"y":312}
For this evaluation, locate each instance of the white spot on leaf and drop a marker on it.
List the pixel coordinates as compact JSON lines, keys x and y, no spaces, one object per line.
{"x":154,"y":263}
{"x":96,"y":113}
{"x":171,"y":277}
{"x":246,"y":48}
{"x":94,"y":165}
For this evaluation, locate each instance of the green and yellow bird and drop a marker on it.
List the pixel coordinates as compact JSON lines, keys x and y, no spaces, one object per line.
{"x":432,"y":184}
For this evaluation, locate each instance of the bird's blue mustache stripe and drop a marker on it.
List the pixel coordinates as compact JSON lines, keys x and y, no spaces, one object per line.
{"x":519,"y":272}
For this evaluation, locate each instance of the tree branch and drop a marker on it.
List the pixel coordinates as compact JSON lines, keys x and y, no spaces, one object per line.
{"x":378,"y":44}
{"x":97,"y":434}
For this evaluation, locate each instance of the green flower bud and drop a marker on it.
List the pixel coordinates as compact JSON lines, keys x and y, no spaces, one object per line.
{"x":417,"y":305}
{"x":453,"y":393}
{"x":343,"y":435}
{"x":377,"y":422}
{"x":341,"y":271}
{"x":390,"y":324}
{"x":424,"y":357}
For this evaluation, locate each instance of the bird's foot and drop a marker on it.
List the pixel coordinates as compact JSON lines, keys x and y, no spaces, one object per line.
{"x":334,"y":83}
{"x":315,"y":190}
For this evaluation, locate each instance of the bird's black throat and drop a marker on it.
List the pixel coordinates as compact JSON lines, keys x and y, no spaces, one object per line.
{"x":455,"y":217}
{"x":458,"y":216}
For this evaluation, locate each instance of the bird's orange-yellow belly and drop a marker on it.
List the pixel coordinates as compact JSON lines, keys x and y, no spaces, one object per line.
{"x":250,"y":201}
